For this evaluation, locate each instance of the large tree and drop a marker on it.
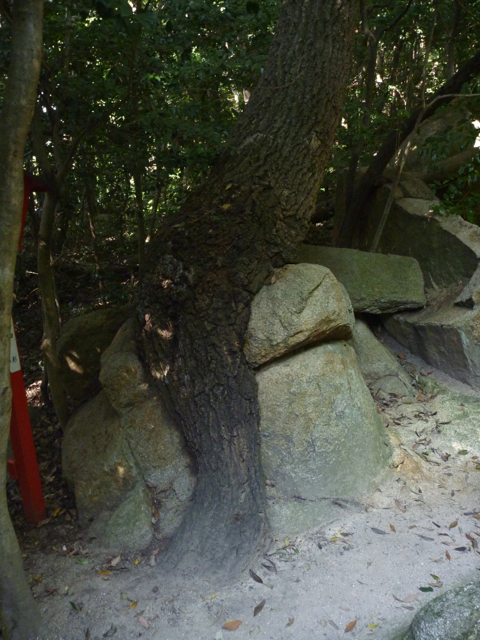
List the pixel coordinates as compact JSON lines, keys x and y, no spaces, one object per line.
{"x":210,"y":259}
{"x":18,"y":614}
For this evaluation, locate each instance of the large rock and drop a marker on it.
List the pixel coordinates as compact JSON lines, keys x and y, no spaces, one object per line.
{"x":82,"y":341}
{"x":304,"y":304}
{"x":321,"y":437}
{"x":375,"y":283}
{"x":447,"y":247}
{"x":380,"y":370}
{"x":455,"y":615}
{"x":444,"y":335}
{"x":97,"y":462}
{"x":109,"y":454}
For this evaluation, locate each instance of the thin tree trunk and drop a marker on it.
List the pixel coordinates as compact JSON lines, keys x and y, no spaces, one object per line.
{"x":19,"y":617}
{"x":210,"y":260}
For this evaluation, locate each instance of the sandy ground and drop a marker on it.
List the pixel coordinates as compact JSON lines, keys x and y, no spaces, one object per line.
{"x":365,"y":574}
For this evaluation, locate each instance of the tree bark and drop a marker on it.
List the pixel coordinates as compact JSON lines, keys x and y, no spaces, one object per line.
{"x":248,"y":218}
{"x":18,"y":614}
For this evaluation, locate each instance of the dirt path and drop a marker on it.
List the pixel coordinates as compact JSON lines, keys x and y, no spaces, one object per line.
{"x":365,"y":574}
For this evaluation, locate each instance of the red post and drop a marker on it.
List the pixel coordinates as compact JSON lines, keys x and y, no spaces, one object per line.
{"x":24,"y":466}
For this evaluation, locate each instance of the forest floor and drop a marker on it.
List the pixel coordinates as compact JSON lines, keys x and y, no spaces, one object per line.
{"x":364,"y":574}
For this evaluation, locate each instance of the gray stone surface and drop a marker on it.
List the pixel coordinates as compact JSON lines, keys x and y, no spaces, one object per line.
{"x":97,"y":462}
{"x":375,"y":283}
{"x":130,"y":527}
{"x":122,"y":375}
{"x":412,"y":187}
{"x":447,"y":247}
{"x":304,"y":304}
{"x":82,"y":341}
{"x":110,"y":452}
{"x":321,"y":437}
{"x":455,"y":615}
{"x":381,"y":371}
{"x":470,"y":296}
{"x":444,"y":335}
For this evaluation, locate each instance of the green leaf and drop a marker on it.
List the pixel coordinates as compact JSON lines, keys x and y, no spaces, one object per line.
{"x":425,"y":589}
{"x":463,"y":452}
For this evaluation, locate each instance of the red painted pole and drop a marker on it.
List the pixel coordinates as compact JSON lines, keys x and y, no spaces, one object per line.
{"x":25,"y":465}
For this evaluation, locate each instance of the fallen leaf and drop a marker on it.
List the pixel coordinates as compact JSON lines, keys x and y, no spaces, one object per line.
{"x":436,"y":584}
{"x":401,"y":356}
{"x":115,"y":561}
{"x":134,"y":604}
{"x":229,"y":186}
{"x":56,"y":512}
{"x":137,"y":561}
{"x":460,"y":549}
{"x":424,"y":537}
{"x":290,"y":622}
{"x":449,"y":557}
{"x":82,"y":561}
{"x":143,"y":622}
{"x":76,"y":607}
{"x":333,"y":624}
{"x":334,"y":539}
{"x":226,"y":206}
{"x":406,"y":606}
{"x":269,"y":567}
{"x":255,"y":577}
{"x":111,"y":632}
{"x":425,"y":589}
{"x":232,"y":625}
{"x":410,"y":598}
{"x":350,"y":626}
{"x":393,"y":528}
{"x":379,"y":531}
{"x":463,"y":452}
{"x":373,"y":626}
{"x":104,"y":572}
{"x":38,"y":578}
{"x":258,"y":608}
{"x":400,"y":506}
{"x":43,"y":522}
{"x":452,"y":524}
{"x":435,"y":577}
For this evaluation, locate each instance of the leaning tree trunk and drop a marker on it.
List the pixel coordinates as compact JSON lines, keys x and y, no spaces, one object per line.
{"x":248,"y":218}
{"x":18,"y":613}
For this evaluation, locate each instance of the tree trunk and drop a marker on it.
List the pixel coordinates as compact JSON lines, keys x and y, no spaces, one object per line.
{"x":18,"y":613}
{"x":211,"y":259}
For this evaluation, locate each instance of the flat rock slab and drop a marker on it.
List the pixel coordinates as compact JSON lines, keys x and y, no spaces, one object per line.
{"x":375,"y":283}
{"x":445,"y":336}
{"x":304,"y":304}
{"x":317,"y":420}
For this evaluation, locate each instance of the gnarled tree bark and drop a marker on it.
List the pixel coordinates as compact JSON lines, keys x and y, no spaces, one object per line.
{"x":248,"y":218}
{"x":18,"y":614}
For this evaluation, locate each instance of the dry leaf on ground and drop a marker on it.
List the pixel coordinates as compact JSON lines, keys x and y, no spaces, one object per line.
{"x":232,"y":625}
{"x":350,"y":626}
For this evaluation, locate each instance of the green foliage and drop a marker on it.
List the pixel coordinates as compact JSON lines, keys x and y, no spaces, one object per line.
{"x":460,"y":195}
